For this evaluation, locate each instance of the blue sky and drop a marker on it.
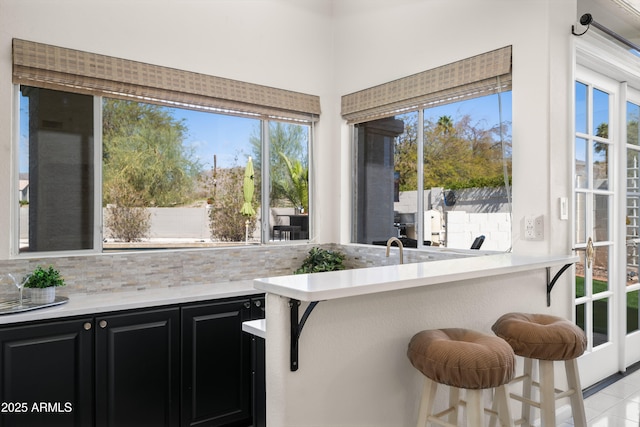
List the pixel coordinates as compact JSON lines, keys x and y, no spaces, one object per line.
{"x":24,"y":135}
{"x":480,"y":109}
{"x":227,"y":137}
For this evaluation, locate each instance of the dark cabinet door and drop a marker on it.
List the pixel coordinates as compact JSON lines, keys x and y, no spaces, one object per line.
{"x":216,"y":364}
{"x":138,"y":369}
{"x":258,"y":367}
{"x":47,"y":374}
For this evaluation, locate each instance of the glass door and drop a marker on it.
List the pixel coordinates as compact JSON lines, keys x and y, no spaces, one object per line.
{"x":632,"y":229}
{"x":594,"y":234}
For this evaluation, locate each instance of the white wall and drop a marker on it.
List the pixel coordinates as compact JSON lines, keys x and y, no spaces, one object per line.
{"x":462,"y":228}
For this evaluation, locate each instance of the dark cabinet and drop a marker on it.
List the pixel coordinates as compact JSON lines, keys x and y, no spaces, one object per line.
{"x":47,"y":374}
{"x":258,"y":368}
{"x":216,"y":364}
{"x":138,"y":369}
{"x":181,"y":365}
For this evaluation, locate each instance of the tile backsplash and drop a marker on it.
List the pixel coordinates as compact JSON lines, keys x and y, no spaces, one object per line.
{"x":140,"y":270}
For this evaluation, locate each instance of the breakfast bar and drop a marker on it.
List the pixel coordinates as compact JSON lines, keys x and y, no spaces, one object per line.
{"x":352,"y":368}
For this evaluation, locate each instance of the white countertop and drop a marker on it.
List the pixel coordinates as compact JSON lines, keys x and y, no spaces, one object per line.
{"x":92,"y":304}
{"x":348,"y":283}
{"x":256,"y":327}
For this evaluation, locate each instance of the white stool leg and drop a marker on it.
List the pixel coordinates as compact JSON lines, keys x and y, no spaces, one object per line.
{"x":475,"y":408}
{"x":495,"y":407}
{"x":577,"y":403}
{"x":426,"y":403}
{"x":454,"y":402}
{"x":547,"y":394}
{"x":527,"y":386}
{"x":501,"y":404}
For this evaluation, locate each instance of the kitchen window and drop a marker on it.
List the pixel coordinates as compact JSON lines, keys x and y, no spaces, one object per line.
{"x":465,"y":173}
{"x":166,"y":167}
{"x":432,"y":156}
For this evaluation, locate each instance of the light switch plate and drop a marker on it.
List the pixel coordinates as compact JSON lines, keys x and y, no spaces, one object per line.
{"x":564,"y":208}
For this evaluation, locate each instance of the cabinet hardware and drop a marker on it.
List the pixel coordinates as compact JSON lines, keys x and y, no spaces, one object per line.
{"x":87,"y":326}
{"x":247,"y":305}
{"x":103,"y":324}
{"x":258,"y":303}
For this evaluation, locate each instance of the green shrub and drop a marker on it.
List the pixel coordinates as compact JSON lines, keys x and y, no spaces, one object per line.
{"x":226,"y":221}
{"x":127,"y":219}
{"x":320,"y":260}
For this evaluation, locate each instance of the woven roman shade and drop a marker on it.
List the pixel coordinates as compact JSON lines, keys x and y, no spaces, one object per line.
{"x":473,"y":77}
{"x":52,"y":67}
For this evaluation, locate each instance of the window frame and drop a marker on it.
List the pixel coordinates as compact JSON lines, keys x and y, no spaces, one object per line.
{"x":420,"y":203}
{"x":98,"y":220}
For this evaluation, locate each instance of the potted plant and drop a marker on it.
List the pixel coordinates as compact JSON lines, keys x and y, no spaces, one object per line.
{"x":320,"y":260}
{"x":42,"y":283}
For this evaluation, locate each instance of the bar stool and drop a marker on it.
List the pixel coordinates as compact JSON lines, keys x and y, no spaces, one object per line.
{"x":546,"y":339}
{"x":467,"y":360}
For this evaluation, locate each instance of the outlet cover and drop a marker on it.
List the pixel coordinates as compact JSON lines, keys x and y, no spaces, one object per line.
{"x":534,"y":227}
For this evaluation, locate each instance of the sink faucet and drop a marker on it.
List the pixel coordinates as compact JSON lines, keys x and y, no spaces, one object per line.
{"x":389,"y":242}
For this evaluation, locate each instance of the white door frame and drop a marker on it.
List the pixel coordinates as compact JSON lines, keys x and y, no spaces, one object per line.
{"x":595,"y":53}
{"x":599,"y":361}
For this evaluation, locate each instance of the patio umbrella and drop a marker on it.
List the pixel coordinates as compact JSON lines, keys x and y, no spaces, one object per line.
{"x":247,"y":208}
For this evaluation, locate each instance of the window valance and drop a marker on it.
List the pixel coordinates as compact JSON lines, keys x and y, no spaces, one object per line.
{"x":469,"y":78}
{"x":59,"y":68}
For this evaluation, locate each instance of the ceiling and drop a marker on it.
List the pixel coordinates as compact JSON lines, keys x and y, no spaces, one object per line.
{"x":620,"y":16}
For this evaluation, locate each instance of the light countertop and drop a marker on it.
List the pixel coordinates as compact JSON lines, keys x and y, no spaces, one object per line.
{"x":92,"y":304}
{"x":304,"y":287}
{"x":348,"y":283}
{"x":256,"y":327}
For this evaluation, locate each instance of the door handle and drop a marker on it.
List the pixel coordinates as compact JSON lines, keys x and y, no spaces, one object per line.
{"x":590,"y":252}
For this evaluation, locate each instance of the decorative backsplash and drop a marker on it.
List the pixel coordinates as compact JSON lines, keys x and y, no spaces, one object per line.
{"x":140,"y":270}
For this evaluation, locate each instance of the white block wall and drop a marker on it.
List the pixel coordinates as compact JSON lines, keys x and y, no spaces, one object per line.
{"x":462,"y":228}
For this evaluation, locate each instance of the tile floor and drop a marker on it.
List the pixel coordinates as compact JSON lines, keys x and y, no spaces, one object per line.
{"x":617,"y":405}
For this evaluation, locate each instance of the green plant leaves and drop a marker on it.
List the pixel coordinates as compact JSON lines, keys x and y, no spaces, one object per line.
{"x":320,"y":260}
{"x":44,"y":278}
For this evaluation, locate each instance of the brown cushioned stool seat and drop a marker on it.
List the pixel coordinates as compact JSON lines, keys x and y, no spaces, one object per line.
{"x":545,"y":339}
{"x":462,"y":359}
{"x":541,"y":336}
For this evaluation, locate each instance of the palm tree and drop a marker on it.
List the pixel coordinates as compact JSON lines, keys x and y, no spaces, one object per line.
{"x":445,"y":125}
{"x":296,"y":188}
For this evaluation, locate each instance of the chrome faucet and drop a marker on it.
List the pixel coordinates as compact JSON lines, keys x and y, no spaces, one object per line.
{"x":400,"y":247}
